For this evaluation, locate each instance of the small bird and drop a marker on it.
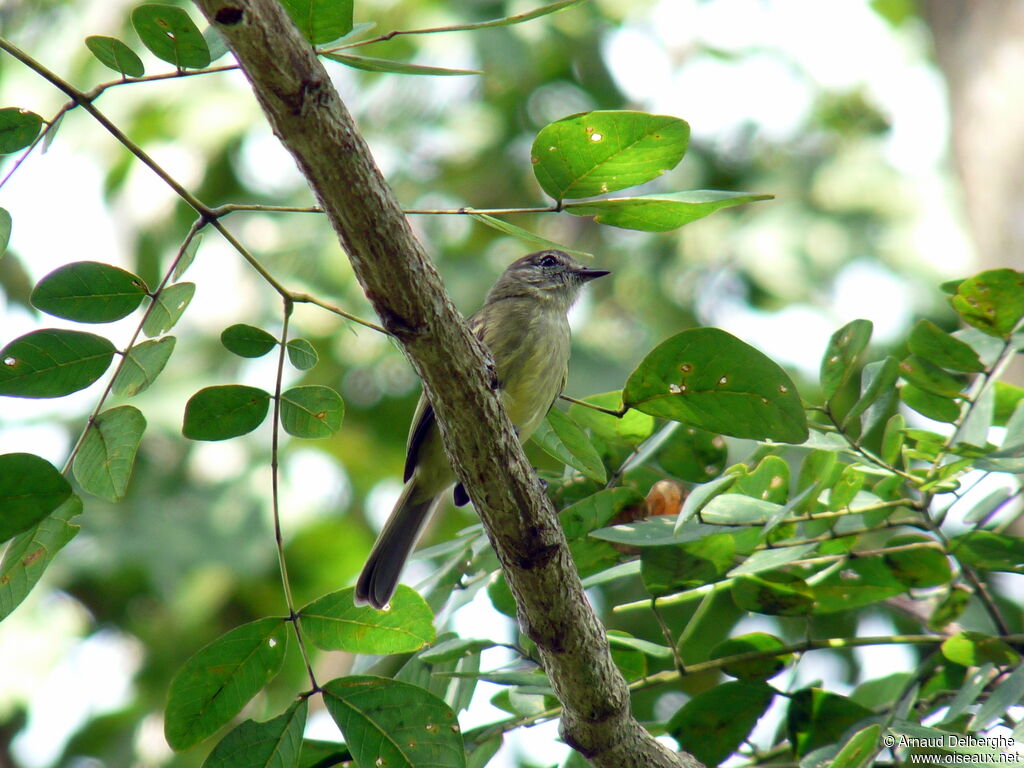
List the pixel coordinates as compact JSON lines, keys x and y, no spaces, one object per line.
{"x":523,"y":323}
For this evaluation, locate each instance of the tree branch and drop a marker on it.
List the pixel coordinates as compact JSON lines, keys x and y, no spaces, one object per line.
{"x":309,"y":117}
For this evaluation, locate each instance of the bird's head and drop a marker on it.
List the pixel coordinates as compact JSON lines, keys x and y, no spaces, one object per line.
{"x":549,"y":275}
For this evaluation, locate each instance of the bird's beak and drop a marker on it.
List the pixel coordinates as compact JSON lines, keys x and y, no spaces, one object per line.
{"x":585,"y":274}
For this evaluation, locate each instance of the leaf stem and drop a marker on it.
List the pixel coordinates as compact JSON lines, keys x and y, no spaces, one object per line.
{"x":617,"y":414}
{"x":275,"y":436}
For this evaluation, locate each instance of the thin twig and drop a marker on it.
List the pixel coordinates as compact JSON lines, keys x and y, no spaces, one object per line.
{"x":275,"y":436}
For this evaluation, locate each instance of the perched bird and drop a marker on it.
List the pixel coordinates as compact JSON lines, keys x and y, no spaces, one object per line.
{"x":523,"y":323}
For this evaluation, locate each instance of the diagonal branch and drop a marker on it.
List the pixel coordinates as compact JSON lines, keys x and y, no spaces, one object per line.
{"x":308,"y":116}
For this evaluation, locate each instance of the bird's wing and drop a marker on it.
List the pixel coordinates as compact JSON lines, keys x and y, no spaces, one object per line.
{"x":423,"y":419}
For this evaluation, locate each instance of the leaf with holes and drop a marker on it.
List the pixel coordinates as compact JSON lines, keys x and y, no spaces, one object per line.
{"x":116,"y":55}
{"x":219,"y":413}
{"x":661,"y":213}
{"x":272,"y":744}
{"x":335,"y":623}
{"x":53,"y":363}
{"x":320,"y":21}
{"x":561,"y":438}
{"x":168,"y":308}
{"x":311,"y":411}
{"x":247,"y":340}
{"x":595,"y":153}
{"x":841,"y":355}
{"x":30,"y":489}
{"x":104,"y":462}
{"x":143,"y":363}
{"x":421,"y":731}
{"x":214,"y":685}
{"x":302,"y":354}
{"x":18,"y":129}
{"x":89,"y":292}
{"x":992,"y":301}
{"x":30,"y":553}
{"x":171,"y":35}
{"x":710,"y":379}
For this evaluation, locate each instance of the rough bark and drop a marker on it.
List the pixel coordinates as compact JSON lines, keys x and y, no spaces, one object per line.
{"x":310,"y":119}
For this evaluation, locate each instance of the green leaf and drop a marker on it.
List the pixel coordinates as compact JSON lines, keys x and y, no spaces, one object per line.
{"x":188,"y":255}
{"x":989,"y":551}
{"x":104,"y":462}
{"x":715,"y":722}
{"x":320,"y":21}
{"x":736,"y":509}
{"x":972,"y":686}
{"x":929,"y":377}
{"x":700,"y":496}
{"x":272,"y":744}
{"x":420,"y":731}
{"x":693,"y":454}
{"x":776,"y":593}
{"x":770,"y":559}
{"x":335,"y":623}
{"x":368,"y":64}
{"x":214,"y":685}
{"x":928,"y":404}
{"x":877,"y":382}
{"x":595,"y":153}
{"x":932,"y":343}
{"x":893,"y":438}
{"x":661,"y":213}
{"x":114,"y":54}
{"x":53,"y":363}
{"x":455,"y":648}
{"x":222,"y":412}
{"x":992,"y":301}
{"x":769,"y":481}
{"x":524,"y":234}
{"x":302,"y":354}
{"x":950,"y":609}
{"x":617,"y":639}
{"x":596,"y":510}
{"x":168,"y":308}
{"x":631,"y":429}
{"x":972,"y":649}
{"x":323,"y":754}
{"x":816,"y":718}
{"x":18,"y":129}
{"x":518,"y":18}
{"x":841,"y":356}
{"x":5,"y":230}
{"x":924,"y":566}
{"x":1006,"y":694}
{"x":89,"y":292}
{"x":311,"y":411}
{"x":752,"y":670}
{"x":1007,"y":398}
{"x":846,"y":488}
{"x":218,"y":47}
{"x":657,"y":532}
{"x":860,"y":750}
{"x":670,"y":569}
{"x":29,"y":554}
{"x":247,"y":340}
{"x":561,"y":438}
{"x":863,"y":581}
{"x":712,"y":380}
{"x":170,"y":34}
{"x":30,"y":489}
{"x":143,"y":363}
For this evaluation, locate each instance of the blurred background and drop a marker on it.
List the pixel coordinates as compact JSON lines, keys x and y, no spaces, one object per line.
{"x":890,"y":132}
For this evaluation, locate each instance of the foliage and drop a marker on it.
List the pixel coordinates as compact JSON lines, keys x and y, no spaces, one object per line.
{"x":836,"y":505}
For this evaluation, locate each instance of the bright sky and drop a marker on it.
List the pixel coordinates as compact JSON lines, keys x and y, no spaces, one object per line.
{"x":840,"y":44}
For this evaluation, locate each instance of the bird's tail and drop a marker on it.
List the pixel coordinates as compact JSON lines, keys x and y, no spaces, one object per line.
{"x":379,"y":579}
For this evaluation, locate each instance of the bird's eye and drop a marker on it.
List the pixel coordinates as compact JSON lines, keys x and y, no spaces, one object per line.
{"x":548,"y":261}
